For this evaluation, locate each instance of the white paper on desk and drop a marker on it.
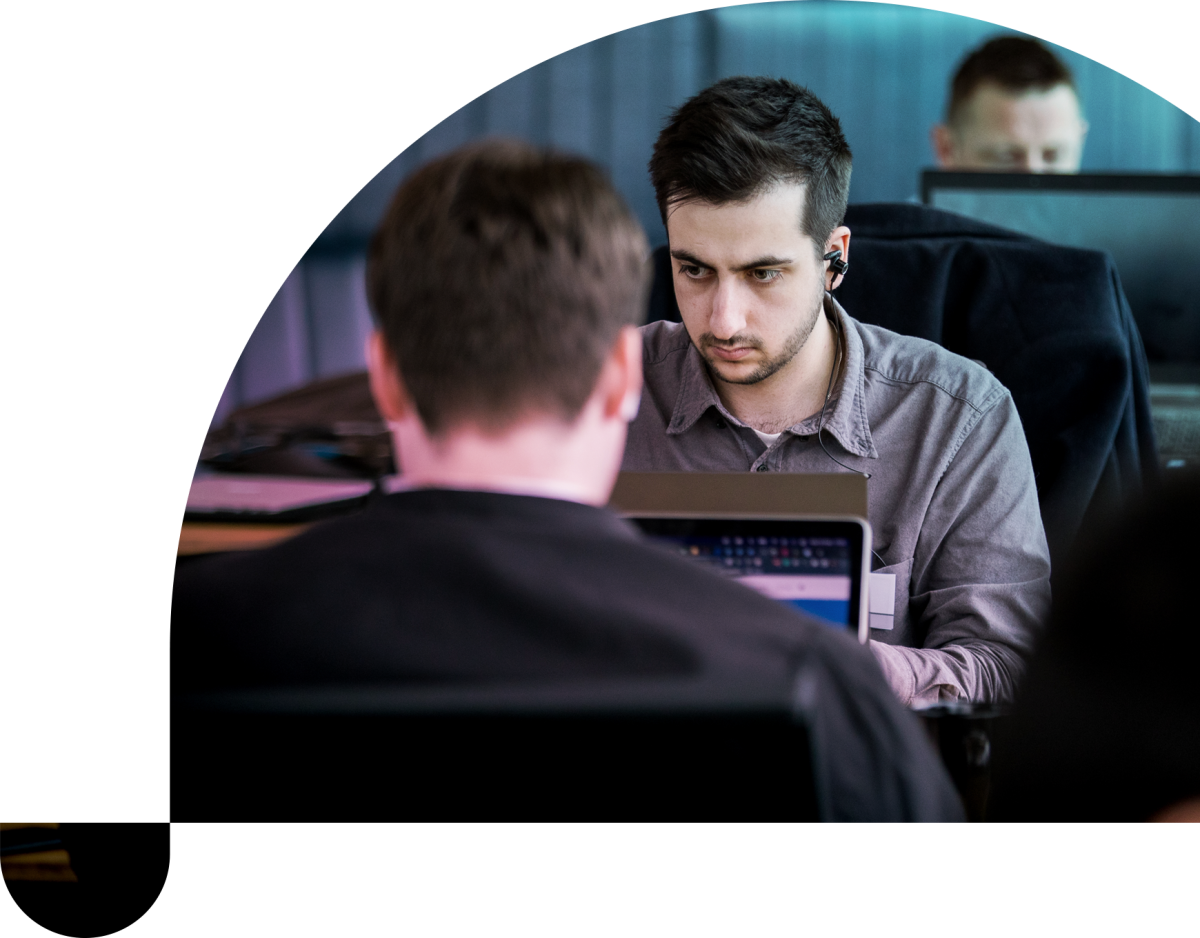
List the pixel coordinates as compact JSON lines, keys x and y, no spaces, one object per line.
{"x":269,"y":493}
{"x":881,"y":606}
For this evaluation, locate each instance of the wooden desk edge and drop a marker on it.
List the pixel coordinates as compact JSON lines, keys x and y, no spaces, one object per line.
{"x":207,"y":537}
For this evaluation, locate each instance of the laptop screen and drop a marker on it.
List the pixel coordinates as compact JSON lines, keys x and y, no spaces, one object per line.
{"x":814,"y":566}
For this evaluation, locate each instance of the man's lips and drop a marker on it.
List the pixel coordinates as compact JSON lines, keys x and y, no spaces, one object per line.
{"x":731,"y":354}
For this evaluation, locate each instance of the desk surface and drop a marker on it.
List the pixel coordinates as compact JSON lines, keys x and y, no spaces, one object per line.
{"x":721,"y":494}
{"x":205,"y":537}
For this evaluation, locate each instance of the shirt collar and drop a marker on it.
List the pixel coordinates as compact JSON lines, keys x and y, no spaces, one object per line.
{"x":845,"y":417}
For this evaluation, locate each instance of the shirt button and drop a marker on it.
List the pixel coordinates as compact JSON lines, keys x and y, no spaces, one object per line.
{"x":803,"y":439}
{"x":720,"y":424}
{"x":763,"y":468}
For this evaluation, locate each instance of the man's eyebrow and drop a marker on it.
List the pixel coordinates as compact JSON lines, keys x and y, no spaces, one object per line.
{"x":769,"y":261}
{"x":689,"y":258}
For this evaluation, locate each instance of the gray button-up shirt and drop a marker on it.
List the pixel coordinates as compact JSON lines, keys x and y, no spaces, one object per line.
{"x":951,"y":497}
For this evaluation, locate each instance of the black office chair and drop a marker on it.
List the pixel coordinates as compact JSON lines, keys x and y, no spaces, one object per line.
{"x":426,"y":770}
{"x":1050,"y":322}
{"x":661,"y":750}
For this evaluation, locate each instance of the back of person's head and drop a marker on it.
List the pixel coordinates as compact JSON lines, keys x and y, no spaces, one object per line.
{"x":1015,"y":64}
{"x":1107,"y":723}
{"x":742,"y":136}
{"x":500,"y":277}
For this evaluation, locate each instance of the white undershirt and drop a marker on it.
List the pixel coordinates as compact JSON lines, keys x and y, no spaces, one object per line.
{"x":768,"y":438}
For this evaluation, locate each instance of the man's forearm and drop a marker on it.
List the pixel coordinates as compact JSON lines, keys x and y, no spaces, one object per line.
{"x":977,"y":672}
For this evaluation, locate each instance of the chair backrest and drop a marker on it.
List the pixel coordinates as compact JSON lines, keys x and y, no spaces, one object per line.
{"x":1050,"y":322}
{"x":581,"y":752}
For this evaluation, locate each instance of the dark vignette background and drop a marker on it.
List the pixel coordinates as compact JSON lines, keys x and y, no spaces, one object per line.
{"x":209,"y":198}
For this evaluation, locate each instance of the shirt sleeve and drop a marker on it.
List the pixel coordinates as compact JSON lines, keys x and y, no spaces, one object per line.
{"x":980,"y":584}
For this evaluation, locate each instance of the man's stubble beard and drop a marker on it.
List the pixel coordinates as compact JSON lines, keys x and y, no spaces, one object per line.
{"x":790,"y":350}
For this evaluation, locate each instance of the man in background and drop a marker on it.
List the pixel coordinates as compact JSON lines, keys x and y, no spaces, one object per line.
{"x":507,"y":284}
{"x":1013,"y":108}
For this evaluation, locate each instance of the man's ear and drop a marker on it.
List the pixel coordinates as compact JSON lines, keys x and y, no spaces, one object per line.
{"x":620,"y":383}
{"x":386,"y":387}
{"x":943,"y":145}
{"x":839,"y":240}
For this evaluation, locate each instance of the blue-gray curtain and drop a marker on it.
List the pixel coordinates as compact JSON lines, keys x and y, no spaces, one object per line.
{"x":883,"y":70}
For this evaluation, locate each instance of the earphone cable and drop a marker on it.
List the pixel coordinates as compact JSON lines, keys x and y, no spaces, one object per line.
{"x":837,"y":360}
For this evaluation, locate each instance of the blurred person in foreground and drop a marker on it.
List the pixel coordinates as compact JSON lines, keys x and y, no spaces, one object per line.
{"x":1013,"y":108}
{"x":507,"y":283}
{"x":1107,"y":724}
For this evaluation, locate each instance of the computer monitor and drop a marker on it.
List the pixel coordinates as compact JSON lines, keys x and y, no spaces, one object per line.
{"x":1150,"y":224}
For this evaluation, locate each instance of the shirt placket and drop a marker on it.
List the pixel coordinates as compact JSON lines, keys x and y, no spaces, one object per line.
{"x":763,"y":462}
{"x":788,"y":449}
{"x":725,"y":422}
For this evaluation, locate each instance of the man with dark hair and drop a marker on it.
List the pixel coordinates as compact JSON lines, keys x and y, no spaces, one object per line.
{"x":768,"y":373}
{"x":1013,"y":107}
{"x":506,"y":283}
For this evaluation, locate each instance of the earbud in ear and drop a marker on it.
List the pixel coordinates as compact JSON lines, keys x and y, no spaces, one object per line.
{"x":836,"y":264}
{"x":630,"y":406}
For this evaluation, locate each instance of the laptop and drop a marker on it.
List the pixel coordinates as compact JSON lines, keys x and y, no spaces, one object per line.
{"x":817,"y":565}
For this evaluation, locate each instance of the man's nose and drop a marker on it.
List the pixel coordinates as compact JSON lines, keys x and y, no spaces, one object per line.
{"x":728,"y":309}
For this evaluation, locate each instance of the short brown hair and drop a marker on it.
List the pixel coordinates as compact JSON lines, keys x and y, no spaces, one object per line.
{"x":1015,"y":63}
{"x":739,"y":137}
{"x":500,"y":277}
